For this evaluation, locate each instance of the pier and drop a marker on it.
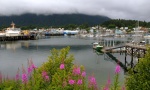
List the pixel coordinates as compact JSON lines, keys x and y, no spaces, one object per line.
{"x":131,"y":49}
{"x":15,"y":38}
{"x":134,"y":50}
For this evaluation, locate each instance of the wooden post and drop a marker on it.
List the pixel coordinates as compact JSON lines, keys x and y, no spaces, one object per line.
{"x":131,"y":58}
{"x":125,"y":56}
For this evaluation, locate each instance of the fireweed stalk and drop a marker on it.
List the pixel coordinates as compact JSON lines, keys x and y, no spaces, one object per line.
{"x":45,"y":76}
{"x":76,"y":71}
{"x":117,"y":71}
{"x":17,"y":75}
{"x":24,"y":75}
{"x":0,"y":77}
{"x":92,"y":84}
{"x":31,"y":67}
{"x":107,"y":86}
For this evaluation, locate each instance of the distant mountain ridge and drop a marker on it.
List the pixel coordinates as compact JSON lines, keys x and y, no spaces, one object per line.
{"x":52,"y":20}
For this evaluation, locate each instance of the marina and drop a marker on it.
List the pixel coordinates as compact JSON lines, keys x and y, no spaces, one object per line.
{"x":38,"y":50}
{"x":13,"y":34}
{"x":98,"y":53}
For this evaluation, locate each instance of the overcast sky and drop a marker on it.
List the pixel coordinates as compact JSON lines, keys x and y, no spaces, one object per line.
{"x":115,"y":9}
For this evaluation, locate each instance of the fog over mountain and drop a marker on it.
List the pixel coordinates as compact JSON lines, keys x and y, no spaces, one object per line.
{"x":115,"y":9}
{"x":52,"y":20}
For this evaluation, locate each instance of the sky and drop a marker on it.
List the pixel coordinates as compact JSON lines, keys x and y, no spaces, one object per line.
{"x":114,"y":9}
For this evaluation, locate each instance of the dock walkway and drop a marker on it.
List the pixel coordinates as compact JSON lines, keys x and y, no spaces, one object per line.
{"x":131,"y":45}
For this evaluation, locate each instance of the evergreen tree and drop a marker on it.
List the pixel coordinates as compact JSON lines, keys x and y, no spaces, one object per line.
{"x":141,"y":79}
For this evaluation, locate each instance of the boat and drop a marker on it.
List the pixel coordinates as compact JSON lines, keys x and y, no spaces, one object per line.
{"x":95,"y":44}
{"x":147,"y":36}
{"x":97,"y":47}
{"x":2,"y":34}
{"x":13,"y":31}
{"x":69,"y":32}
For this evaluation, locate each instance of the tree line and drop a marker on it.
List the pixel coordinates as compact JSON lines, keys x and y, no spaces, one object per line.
{"x":110,"y":24}
{"x":125,"y":23}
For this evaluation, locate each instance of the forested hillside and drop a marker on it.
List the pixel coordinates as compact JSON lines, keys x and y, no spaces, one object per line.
{"x":124,"y":23}
{"x":51,"y":20}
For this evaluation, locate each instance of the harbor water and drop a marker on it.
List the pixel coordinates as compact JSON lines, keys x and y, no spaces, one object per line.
{"x":14,"y":54}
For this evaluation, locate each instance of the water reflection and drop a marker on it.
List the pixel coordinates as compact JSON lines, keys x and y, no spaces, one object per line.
{"x":39,"y":50}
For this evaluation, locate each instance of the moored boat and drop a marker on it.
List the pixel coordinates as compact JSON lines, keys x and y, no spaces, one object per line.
{"x":97,"y":47}
{"x":13,"y":31}
{"x":2,"y":34}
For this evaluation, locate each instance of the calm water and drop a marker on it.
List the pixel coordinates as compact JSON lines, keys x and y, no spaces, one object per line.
{"x":14,"y":54}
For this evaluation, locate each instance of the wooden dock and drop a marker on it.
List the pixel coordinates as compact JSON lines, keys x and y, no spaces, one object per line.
{"x":134,"y":49}
{"x":15,"y":38}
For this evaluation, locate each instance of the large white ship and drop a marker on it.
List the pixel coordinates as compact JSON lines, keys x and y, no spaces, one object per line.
{"x":13,"y":31}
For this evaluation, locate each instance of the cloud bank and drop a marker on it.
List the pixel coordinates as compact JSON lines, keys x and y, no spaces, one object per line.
{"x":115,"y":9}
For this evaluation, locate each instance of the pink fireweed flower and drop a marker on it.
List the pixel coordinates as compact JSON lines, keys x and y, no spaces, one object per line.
{"x":17,"y":77}
{"x":46,"y":78}
{"x":24,"y":78}
{"x":105,"y":88}
{"x":108,"y":81}
{"x":24,"y":75}
{"x":83,"y":74}
{"x":71,"y":82}
{"x":0,"y":77}
{"x":107,"y":84}
{"x":76,"y":71}
{"x":62,"y":66}
{"x":33,"y":66}
{"x":44,"y":73}
{"x":123,"y":87}
{"x":92,"y":82}
{"x":29,"y":70}
{"x":79,"y":82}
{"x":117,"y":70}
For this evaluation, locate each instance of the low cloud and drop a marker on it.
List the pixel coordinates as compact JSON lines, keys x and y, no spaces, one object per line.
{"x":115,"y":9}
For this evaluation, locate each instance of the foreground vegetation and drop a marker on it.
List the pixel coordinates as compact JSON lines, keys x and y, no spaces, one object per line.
{"x":59,"y":73}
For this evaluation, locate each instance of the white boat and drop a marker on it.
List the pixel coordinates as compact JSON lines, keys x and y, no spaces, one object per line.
{"x":70,"y":32}
{"x":13,"y":31}
{"x":95,"y":44}
{"x":147,"y":36}
{"x":97,"y":47}
{"x":2,"y":34}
